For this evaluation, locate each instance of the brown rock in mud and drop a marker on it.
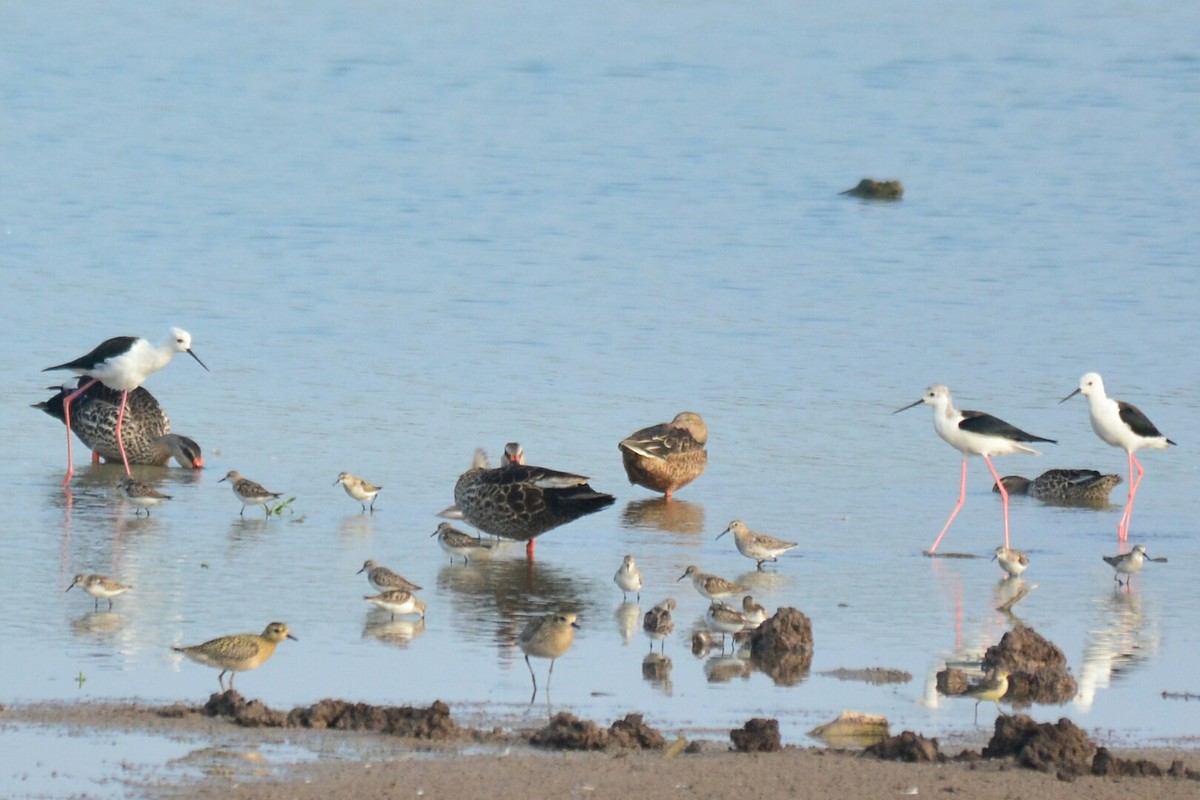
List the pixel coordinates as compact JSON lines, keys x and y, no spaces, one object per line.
{"x":757,"y":736}
{"x":782,"y":647}
{"x":1037,"y":668}
{"x":1061,"y":747}
{"x":907,"y":746}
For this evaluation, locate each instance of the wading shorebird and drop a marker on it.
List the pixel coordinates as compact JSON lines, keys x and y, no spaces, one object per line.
{"x":668,"y":456}
{"x":547,"y":637}
{"x":238,"y":653}
{"x":100,"y":587}
{"x":249,"y":492}
{"x":1011,"y":561}
{"x":361,"y":490}
{"x":461,"y":545}
{"x":990,"y":688}
{"x":973,"y":433}
{"x":628,"y":578}
{"x":140,"y":495}
{"x":756,"y":546}
{"x":658,"y":623}
{"x":713,"y":587}
{"x":1122,"y":425}
{"x":122,"y":363}
{"x":384,"y":580}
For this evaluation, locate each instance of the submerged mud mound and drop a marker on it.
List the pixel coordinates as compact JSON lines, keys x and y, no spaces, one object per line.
{"x":782,"y":647}
{"x":757,"y":736}
{"x":418,"y":723}
{"x":1037,"y":669}
{"x":568,"y":732}
{"x":907,"y":746}
{"x":1062,"y":747}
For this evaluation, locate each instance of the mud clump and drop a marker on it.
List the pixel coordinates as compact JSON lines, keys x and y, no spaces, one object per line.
{"x":418,"y":723}
{"x":248,"y":714}
{"x":907,"y":746}
{"x":1106,"y":765}
{"x":632,"y":732}
{"x":952,"y":681}
{"x":757,"y":736}
{"x":782,"y":647}
{"x":568,"y":732}
{"x":1062,"y":747}
{"x":1037,"y":668}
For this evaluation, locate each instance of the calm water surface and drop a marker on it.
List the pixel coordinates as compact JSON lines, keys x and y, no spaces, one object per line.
{"x":399,"y":232}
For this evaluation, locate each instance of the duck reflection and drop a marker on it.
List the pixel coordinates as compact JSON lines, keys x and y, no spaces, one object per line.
{"x":656,"y":670}
{"x":1118,"y":646}
{"x":398,"y":632}
{"x":657,"y":513}
{"x":503,"y":593}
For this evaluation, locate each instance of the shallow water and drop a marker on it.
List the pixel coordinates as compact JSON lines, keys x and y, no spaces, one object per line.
{"x":399,"y":233}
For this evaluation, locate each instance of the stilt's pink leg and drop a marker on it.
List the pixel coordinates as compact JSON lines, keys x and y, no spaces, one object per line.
{"x":1003,"y":496}
{"x":529,"y":550}
{"x":1134,"y":483}
{"x":120,"y":441}
{"x":962,"y":495}
{"x":67,"y":418}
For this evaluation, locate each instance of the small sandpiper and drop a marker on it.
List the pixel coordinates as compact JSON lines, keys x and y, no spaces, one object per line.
{"x":358,"y":488}
{"x":993,"y":688}
{"x":1127,"y":563}
{"x":460,"y":545}
{"x":384,"y":580}
{"x":237,"y":653}
{"x":754,"y":614}
{"x":549,"y":637}
{"x":249,"y":492}
{"x":756,"y":546}
{"x":141,"y":495}
{"x":723,"y":619}
{"x":1011,"y":561}
{"x":100,"y":587}
{"x":628,"y":578}
{"x":713,"y":587}
{"x":397,"y":601}
{"x":658,"y":623}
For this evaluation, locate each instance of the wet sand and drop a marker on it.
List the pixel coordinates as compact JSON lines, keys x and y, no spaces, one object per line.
{"x":496,"y":762}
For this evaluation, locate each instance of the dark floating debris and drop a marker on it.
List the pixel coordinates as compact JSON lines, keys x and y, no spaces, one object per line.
{"x":871,"y":189}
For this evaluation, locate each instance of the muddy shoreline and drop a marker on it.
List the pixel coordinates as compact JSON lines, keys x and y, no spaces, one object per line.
{"x":354,"y":749}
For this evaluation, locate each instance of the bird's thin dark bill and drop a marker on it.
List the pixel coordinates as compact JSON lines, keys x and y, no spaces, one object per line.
{"x":910,"y":405}
{"x":198,"y":361}
{"x":1068,"y":397}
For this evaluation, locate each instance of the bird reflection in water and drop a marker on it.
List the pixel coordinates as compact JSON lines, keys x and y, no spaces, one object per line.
{"x":659,"y":514}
